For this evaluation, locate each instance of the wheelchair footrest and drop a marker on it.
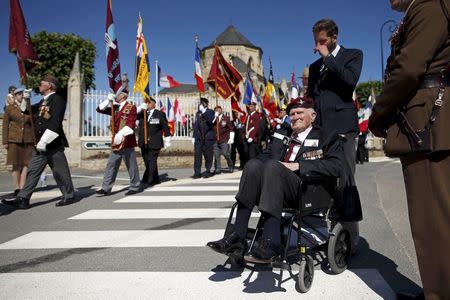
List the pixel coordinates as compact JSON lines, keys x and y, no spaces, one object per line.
{"x":283,"y":265}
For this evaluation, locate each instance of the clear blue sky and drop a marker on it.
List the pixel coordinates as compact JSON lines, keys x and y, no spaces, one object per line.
{"x":283,"y":32}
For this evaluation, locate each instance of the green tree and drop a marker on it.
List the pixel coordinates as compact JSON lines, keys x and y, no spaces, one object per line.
{"x":56,"y":54}
{"x":363,"y":90}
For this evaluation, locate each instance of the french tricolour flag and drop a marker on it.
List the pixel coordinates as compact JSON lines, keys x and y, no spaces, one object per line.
{"x":198,"y":71}
{"x":165,"y":80}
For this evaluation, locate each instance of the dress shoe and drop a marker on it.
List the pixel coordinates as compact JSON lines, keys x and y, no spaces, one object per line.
{"x":19,"y":202}
{"x":196,"y":176}
{"x":230,"y":244}
{"x":131,"y":192}
{"x":16,"y":191}
{"x":217,"y":172}
{"x":230,"y":169}
{"x":65,"y":202}
{"x":208,"y":175}
{"x":102,"y":192}
{"x":264,"y":253}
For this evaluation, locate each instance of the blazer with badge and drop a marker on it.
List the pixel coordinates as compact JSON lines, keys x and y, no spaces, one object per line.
{"x":331,"y":83}
{"x":16,"y":125}
{"x":222,"y":128}
{"x":49,"y":115}
{"x":124,"y":116}
{"x":156,"y":124}
{"x":252,"y":126}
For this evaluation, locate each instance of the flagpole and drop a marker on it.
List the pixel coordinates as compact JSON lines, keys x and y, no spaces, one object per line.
{"x":156,"y":80}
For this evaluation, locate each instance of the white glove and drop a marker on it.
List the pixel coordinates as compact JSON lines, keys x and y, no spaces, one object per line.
{"x":46,"y":139}
{"x":41,"y":146}
{"x":202,"y":108}
{"x":249,"y":140}
{"x":118,"y":138}
{"x":27,"y":93}
{"x":23,"y":105}
{"x":231,"y":139}
{"x":279,"y":121}
{"x":111,"y":97}
{"x":144,"y":105}
{"x":216,"y":114}
{"x":104,"y":104}
{"x":167,"y":142}
{"x":193,"y":141}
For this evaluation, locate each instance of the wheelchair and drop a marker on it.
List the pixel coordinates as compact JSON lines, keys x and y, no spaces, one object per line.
{"x":313,"y":229}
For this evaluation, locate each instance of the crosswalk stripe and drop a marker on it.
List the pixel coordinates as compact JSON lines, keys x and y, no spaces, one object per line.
{"x":113,"y":238}
{"x":190,"y":285}
{"x":192,"y":188}
{"x":176,"y":199}
{"x":173,"y":213}
{"x":226,"y":181}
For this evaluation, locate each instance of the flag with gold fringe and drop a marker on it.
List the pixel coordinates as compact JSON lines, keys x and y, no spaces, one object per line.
{"x":142,"y":69}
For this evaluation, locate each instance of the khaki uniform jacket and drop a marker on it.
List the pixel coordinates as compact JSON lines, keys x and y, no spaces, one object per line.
{"x":423,"y":49}
{"x":16,"y":126}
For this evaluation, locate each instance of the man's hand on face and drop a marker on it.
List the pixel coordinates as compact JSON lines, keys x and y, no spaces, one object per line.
{"x":322,"y":49}
{"x":293,"y":166}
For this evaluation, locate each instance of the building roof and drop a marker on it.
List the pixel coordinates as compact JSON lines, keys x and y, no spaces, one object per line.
{"x":231,"y":36}
{"x":184,"y":88}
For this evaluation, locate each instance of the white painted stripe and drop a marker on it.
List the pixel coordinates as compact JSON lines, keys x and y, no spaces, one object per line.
{"x":226,"y":181}
{"x":191,"y":285}
{"x":176,"y":199}
{"x":192,"y":188}
{"x":113,"y":238}
{"x":164,"y":213}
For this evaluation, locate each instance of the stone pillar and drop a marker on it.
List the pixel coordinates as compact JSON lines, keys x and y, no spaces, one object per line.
{"x":75,"y":89}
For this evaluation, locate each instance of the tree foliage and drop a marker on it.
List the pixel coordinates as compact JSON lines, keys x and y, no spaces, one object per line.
{"x":56,"y":54}
{"x":363,"y":89}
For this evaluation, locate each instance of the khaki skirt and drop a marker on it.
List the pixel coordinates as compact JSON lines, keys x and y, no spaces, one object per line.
{"x":19,"y":154}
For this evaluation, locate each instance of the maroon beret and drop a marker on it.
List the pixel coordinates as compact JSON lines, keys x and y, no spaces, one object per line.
{"x":302,"y":102}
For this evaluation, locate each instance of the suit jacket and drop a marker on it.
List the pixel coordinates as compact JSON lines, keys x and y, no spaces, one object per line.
{"x":252,"y":126}
{"x":203,"y":125}
{"x":422,"y":48}
{"x":16,"y":125}
{"x":156,"y":124}
{"x":126,"y":116}
{"x":222,"y":128}
{"x":332,"y":86}
{"x":49,"y":114}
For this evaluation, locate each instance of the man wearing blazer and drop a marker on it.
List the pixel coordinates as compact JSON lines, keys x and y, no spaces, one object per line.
{"x":332,"y":80}
{"x":51,"y":141}
{"x":272,"y":181}
{"x":150,"y":139}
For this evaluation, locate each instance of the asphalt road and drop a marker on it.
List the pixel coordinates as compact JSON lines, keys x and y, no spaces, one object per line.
{"x":152,"y":245}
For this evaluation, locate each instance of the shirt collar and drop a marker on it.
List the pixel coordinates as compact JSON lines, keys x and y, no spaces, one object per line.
{"x":121,"y":105}
{"x":302,"y":135}
{"x":336,"y":50}
{"x":48,"y":95}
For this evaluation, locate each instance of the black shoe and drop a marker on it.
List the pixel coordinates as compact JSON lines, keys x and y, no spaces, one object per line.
{"x":196,"y":176}
{"x":410,"y":296}
{"x":217,"y":172}
{"x":208,"y":175}
{"x":102,"y":192}
{"x":19,"y":202}
{"x":230,"y":169}
{"x":16,"y":191}
{"x":131,"y":192}
{"x":65,"y":202}
{"x":230,"y":244}
{"x":264,"y":253}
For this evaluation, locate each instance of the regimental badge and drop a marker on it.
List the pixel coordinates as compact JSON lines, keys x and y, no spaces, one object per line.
{"x":44,"y":111}
{"x":313,"y":155}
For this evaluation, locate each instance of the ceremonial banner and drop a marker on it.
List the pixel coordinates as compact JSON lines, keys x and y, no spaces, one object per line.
{"x":20,"y":40}
{"x":223,"y":77}
{"x":112,"y":51}
{"x":142,"y":69}
{"x":198,"y":70}
{"x":294,"y":92}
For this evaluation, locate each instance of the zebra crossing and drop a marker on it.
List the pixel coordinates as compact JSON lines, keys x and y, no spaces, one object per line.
{"x":152,"y":245}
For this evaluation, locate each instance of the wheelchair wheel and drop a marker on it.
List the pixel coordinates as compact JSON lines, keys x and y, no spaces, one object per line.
{"x":306,"y":274}
{"x":339,"y":249}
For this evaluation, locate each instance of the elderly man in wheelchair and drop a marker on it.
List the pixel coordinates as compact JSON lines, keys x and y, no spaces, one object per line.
{"x":273,"y":181}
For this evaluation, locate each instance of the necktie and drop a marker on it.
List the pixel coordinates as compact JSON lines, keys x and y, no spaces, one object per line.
{"x":291,"y":149}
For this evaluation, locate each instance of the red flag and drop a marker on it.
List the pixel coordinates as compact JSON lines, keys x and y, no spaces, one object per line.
{"x":20,"y":40}
{"x":223,"y":77}
{"x":112,"y":51}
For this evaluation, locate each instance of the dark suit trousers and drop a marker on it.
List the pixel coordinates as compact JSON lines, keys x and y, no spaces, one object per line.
{"x":238,"y":147}
{"x":428,"y":192}
{"x":268,"y":185}
{"x":150,"y":157}
{"x":350,"y":150}
{"x":57,"y":161}
{"x":251,"y":150}
{"x":204,"y":148}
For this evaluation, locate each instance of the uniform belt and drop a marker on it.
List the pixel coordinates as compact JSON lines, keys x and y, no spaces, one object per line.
{"x":433,"y":81}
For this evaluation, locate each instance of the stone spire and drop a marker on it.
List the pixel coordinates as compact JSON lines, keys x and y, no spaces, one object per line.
{"x":76,"y":76}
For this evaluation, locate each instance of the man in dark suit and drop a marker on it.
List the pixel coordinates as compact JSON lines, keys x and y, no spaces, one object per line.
{"x":272,"y":181}
{"x":51,"y":141}
{"x":203,"y":139}
{"x":150,"y":139}
{"x":332,"y":80}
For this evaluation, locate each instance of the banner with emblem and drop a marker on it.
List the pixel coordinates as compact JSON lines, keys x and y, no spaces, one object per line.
{"x":112,"y":51}
{"x":142,"y":69}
